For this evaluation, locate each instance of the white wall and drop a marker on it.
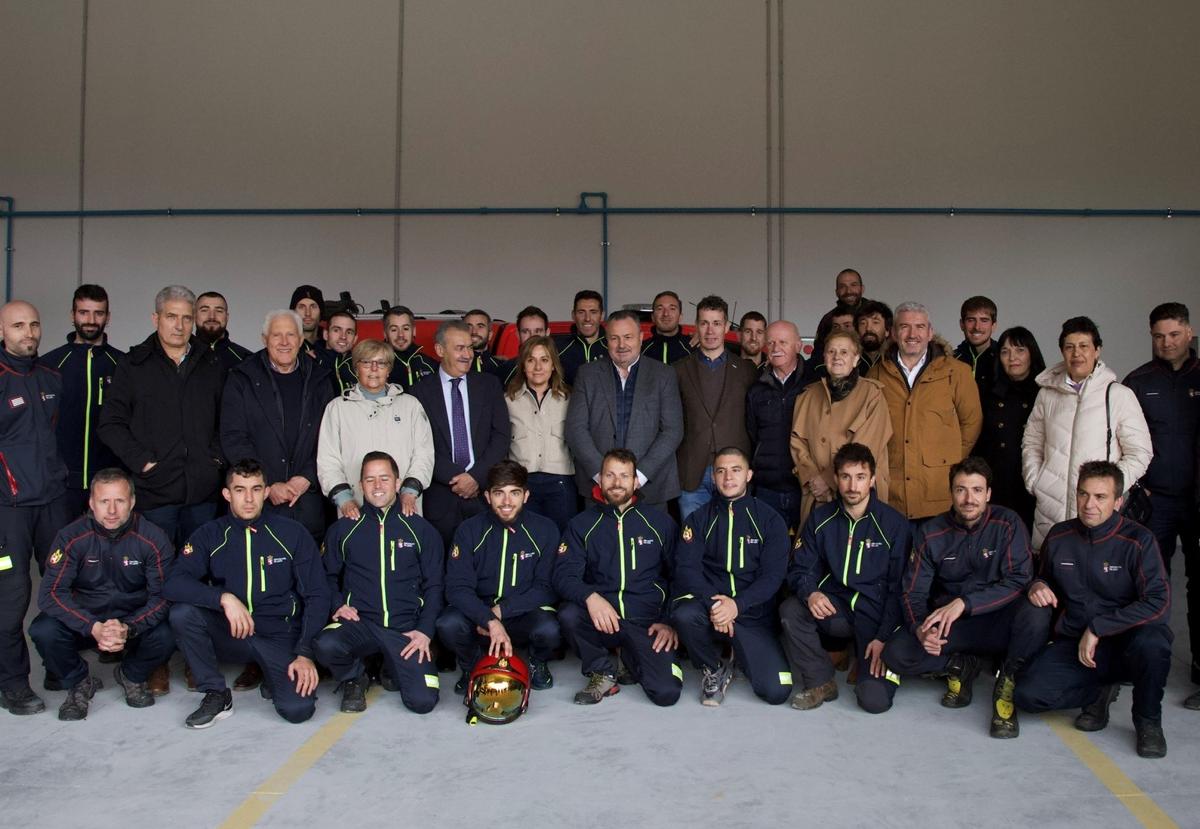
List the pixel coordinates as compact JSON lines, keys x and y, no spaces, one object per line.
{"x":295,"y":103}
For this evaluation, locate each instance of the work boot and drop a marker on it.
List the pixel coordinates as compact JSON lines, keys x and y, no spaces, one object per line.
{"x":109,"y":657}
{"x":75,"y":706}
{"x":354,"y":695}
{"x":464,"y":678}
{"x":137,"y":694}
{"x":715,"y":682}
{"x":1004,"y":714}
{"x":599,"y":686}
{"x":810,"y":698}
{"x":159,"y":681}
{"x":217,"y":705}
{"x":961,"y":671}
{"x":249,"y":679}
{"x":388,"y":681}
{"x":539,"y":676}
{"x":1151,"y":742}
{"x":22,"y":701}
{"x":624,"y":675}
{"x":1094,"y":717}
{"x":1192,"y":703}
{"x":840,"y":659}
{"x":52,"y":683}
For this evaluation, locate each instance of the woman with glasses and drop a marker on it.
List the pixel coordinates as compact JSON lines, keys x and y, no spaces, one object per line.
{"x":373,"y":415}
{"x":536,"y":395}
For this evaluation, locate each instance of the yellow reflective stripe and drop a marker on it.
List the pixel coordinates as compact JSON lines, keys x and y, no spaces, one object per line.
{"x":633,"y":553}
{"x":729,"y":552}
{"x":741,"y":554}
{"x":262,"y":575}
{"x":785,"y":677}
{"x":87,"y":419}
{"x":383,"y":572}
{"x":892,"y":677}
{"x":332,"y":626}
{"x":6,"y":563}
{"x":677,"y":671}
{"x":432,"y":681}
{"x":392,"y":542}
{"x":621,"y":557}
{"x":503,"y":555}
{"x":849,"y":551}
{"x":854,"y":599}
{"x":249,"y":575}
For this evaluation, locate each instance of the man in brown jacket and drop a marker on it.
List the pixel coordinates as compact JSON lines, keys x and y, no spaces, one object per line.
{"x":712,"y":386}
{"x":936,"y":416}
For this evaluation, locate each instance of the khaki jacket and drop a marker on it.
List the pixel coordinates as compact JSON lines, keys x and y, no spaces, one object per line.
{"x":539,"y":433}
{"x":821,"y":427}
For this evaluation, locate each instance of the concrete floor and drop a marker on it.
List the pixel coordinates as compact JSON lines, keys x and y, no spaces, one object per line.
{"x":620,"y":763}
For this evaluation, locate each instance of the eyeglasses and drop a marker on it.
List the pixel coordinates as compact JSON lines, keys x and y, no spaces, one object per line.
{"x":373,"y":363}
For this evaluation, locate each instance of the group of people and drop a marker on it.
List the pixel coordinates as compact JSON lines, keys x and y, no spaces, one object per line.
{"x":361,"y":507}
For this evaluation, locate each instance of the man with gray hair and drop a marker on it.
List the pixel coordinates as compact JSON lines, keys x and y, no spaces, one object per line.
{"x":936,"y":416}
{"x":271,"y":411}
{"x":471,"y":431}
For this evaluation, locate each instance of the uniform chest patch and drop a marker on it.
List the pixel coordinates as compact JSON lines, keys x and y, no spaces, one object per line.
{"x":187,"y":549}
{"x":126,"y":561}
{"x":986,"y":553}
{"x":1110,"y":568}
{"x":48,"y":395}
{"x":752,"y":539}
{"x":562,"y":549}
{"x":16,"y":402}
{"x":687,"y":533}
{"x":523,"y":555}
{"x":455,"y":552}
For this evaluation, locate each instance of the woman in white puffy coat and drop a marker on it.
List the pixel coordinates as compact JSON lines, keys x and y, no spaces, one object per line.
{"x":373,"y":415}
{"x":1068,"y":426}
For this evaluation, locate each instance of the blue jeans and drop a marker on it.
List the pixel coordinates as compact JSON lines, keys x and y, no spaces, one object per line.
{"x":553,"y":496}
{"x":179,"y":521}
{"x":691,"y":500}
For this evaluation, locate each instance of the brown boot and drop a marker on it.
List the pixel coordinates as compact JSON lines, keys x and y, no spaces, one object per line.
{"x":159,"y":683}
{"x":811,"y":698}
{"x":840,"y":659}
{"x":249,"y":679}
{"x":852,"y":674}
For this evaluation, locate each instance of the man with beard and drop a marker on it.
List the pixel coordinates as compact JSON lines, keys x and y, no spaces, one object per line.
{"x":849,"y":289}
{"x":752,"y":333}
{"x":212,"y":321}
{"x":87,"y":364}
{"x":309,"y":303}
{"x":340,"y":337}
{"x":667,"y":343}
{"x":480,"y":323}
{"x":586,"y":341}
{"x":873,"y":322}
{"x":977,"y":319}
{"x":613,"y":572}
{"x":412,"y":365}
{"x":33,"y":504}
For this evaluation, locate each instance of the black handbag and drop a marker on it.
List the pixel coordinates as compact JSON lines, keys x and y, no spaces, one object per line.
{"x":1137,"y":506}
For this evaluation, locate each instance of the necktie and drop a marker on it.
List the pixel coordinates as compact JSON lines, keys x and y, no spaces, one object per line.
{"x":458,"y":425}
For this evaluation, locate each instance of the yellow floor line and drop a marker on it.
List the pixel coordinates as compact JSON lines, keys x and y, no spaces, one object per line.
{"x":1107,"y":772}
{"x":302,"y":759}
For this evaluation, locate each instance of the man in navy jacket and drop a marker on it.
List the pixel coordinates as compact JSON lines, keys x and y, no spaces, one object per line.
{"x":384,"y":571}
{"x":249,"y":586}
{"x":498,"y":581}
{"x":1105,"y":577}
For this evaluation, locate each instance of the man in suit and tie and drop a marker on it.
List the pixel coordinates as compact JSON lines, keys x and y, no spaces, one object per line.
{"x":630,"y":403}
{"x":471,"y":431}
{"x":712,"y":387}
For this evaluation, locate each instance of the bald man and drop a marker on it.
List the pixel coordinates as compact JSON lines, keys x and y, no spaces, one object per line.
{"x":33,"y":499}
{"x":769,"y":404}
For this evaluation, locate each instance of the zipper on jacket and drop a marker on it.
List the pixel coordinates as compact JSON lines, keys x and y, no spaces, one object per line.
{"x":741,"y":553}
{"x":87,"y":419}
{"x":503,"y":562}
{"x":850,"y":551}
{"x":249,"y":573}
{"x":393,"y":561}
{"x":633,"y":553}
{"x":262,"y":575}
{"x":12,"y":482}
{"x":621,"y":556}
{"x":858,"y":562}
{"x":383,"y":571}
{"x":514,"y":570}
{"x":729,"y":552}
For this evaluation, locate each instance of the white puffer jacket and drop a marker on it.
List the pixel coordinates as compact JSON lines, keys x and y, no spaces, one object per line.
{"x":1068,"y":428}
{"x":353,"y":426}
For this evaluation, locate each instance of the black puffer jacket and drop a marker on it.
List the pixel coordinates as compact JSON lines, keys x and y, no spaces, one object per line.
{"x":769,"y":407}
{"x":1006,"y":407}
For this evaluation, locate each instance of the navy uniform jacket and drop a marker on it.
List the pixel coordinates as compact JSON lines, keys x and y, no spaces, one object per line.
{"x":95,"y":574}
{"x":271,"y":564}
{"x":87,"y":372}
{"x":388,"y":567}
{"x":32,"y":472}
{"x":987,"y":566}
{"x":228,"y":352}
{"x":510,"y":566}
{"x":1108,"y":578}
{"x":860,"y":562}
{"x":574,"y":351}
{"x":411,"y":367}
{"x":985,"y":367}
{"x":737,"y":549}
{"x":627,"y":557}
{"x":486,"y":362}
{"x":340,"y":368}
{"x":667,"y":349}
{"x":1170,"y":400}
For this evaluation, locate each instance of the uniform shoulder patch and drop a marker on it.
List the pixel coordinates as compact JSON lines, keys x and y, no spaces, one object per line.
{"x":187,"y":549}
{"x":562,"y":548}
{"x":56,"y":557}
{"x":455,"y":552}
{"x":687,"y":532}
{"x":799,"y":542}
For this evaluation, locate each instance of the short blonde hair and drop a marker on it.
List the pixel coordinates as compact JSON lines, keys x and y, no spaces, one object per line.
{"x":373,"y":350}
{"x":843,"y":334}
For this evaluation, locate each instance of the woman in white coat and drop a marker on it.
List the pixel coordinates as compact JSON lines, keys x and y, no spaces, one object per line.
{"x":373,"y":415}
{"x":1069,"y":426}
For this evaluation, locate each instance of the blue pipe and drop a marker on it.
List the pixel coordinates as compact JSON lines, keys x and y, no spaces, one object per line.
{"x":8,"y":245}
{"x":583,"y":206}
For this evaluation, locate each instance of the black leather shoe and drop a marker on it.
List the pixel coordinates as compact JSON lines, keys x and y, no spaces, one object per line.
{"x":460,"y":687}
{"x":1094,"y":717}
{"x":22,"y":701}
{"x":1151,"y":742}
{"x":539,"y":676}
{"x":354,"y":695}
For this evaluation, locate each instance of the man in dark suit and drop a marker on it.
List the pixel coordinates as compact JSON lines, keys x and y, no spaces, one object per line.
{"x":712,"y":387}
{"x":471,"y":431}
{"x":630,"y":403}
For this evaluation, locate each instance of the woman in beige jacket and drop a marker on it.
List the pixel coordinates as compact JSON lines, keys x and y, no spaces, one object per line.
{"x":537,"y":410}
{"x":841,"y":408}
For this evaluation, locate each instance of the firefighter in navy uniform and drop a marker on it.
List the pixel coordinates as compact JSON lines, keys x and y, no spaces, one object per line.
{"x":212,"y":317}
{"x":498,"y":588}
{"x":485,"y":362}
{"x":103,"y":589}
{"x":248,"y":586}
{"x":586,"y":341}
{"x":667,"y":343}
{"x":730,"y":565}
{"x":845,"y":578}
{"x":87,"y":364}
{"x":385,"y":574}
{"x":33,"y":501}
{"x":412,"y":364}
{"x":337,"y":356}
{"x":613,"y":572}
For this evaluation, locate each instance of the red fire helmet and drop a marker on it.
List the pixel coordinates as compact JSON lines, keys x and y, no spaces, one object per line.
{"x":498,"y":691}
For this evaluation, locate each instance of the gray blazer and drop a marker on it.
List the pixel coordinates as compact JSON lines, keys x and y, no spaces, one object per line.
{"x":655,"y":428}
